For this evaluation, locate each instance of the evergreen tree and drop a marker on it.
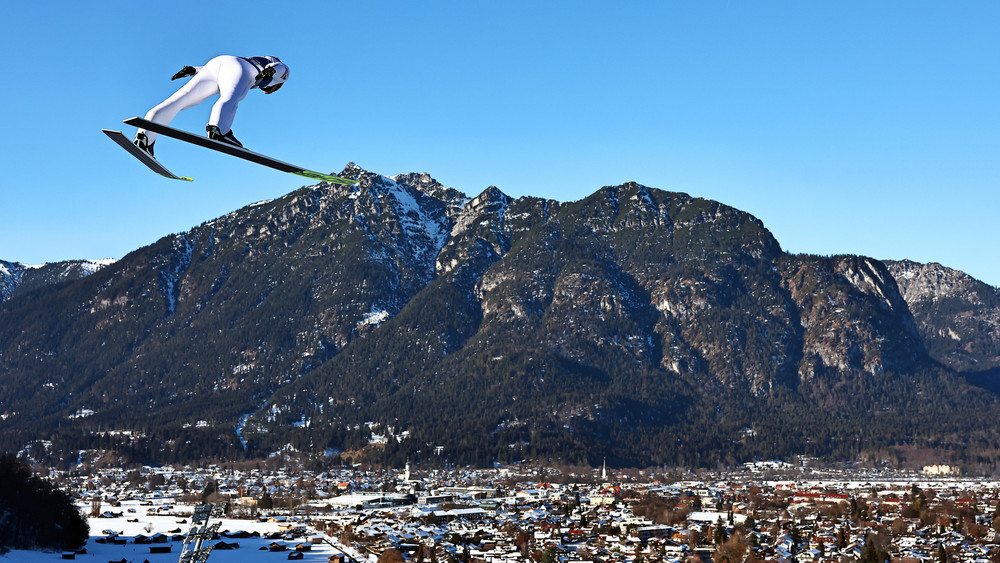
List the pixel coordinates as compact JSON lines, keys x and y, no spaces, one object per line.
{"x":266,"y":502}
{"x":872,"y":554}
{"x":719,"y":535}
{"x":34,"y":514}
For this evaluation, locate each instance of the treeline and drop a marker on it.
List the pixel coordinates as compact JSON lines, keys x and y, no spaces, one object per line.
{"x":34,"y":514}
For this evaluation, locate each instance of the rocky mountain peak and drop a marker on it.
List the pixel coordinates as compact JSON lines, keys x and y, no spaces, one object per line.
{"x":920,"y":282}
{"x":352,"y":170}
{"x":957,"y":316}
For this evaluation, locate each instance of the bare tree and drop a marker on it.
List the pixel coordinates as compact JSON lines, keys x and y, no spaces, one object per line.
{"x":391,"y":555}
{"x":732,"y":550}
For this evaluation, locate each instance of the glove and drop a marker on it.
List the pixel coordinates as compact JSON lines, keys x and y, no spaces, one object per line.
{"x":266,"y":73}
{"x":186,"y":71}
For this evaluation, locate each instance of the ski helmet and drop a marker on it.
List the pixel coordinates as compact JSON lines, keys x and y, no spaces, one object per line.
{"x":272,"y":83}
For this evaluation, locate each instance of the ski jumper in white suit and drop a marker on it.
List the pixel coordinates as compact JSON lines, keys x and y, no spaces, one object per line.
{"x":229,"y":77}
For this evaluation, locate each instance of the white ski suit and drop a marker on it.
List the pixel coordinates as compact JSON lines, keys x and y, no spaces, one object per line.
{"x":228,"y":76}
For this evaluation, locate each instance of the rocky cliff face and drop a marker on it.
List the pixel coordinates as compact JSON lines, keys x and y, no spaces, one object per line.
{"x":957,"y":316}
{"x":853,"y":317}
{"x":375,"y":319}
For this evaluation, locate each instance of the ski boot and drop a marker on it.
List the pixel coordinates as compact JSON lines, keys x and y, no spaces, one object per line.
{"x":143,"y":143}
{"x":216,"y":135}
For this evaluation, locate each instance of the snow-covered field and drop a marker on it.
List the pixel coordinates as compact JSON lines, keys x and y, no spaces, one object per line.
{"x":249,"y":550}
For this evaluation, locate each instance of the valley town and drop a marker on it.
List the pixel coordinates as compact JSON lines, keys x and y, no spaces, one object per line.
{"x":765,"y":512}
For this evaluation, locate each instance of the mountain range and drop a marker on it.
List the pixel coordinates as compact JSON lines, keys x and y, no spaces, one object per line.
{"x":398,"y":319}
{"x":19,"y":278}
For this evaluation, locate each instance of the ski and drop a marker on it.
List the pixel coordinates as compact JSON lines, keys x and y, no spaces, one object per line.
{"x":152,"y":163}
{"x":233,"y":150}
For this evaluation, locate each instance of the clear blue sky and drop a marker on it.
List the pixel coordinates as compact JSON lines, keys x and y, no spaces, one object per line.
{"x":846,"y":126}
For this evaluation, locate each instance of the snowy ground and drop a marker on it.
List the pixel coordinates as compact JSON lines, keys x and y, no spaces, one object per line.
{"x":248,"y":552}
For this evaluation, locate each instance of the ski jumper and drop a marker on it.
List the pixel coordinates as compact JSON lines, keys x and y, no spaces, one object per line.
{"x":231,"y":78}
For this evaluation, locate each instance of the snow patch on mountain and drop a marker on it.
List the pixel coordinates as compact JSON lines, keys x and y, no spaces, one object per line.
{"x":178,"y":262}
{"x":415,"y":218}
{"x":11,"y":274}
{"x":374,"y":317}
{"x":407,"y":226}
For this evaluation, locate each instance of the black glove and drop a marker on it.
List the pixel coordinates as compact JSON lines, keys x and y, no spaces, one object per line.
{"x":186,"y":71}
{"x":266,"y":73}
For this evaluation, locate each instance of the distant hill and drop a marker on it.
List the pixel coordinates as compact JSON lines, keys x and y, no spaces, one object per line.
{"x":18,"y":278}
{"x":958,"y":317}
{"x":399,"y":319}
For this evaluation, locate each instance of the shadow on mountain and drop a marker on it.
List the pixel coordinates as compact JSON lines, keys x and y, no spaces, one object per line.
{"x":988,"y":379}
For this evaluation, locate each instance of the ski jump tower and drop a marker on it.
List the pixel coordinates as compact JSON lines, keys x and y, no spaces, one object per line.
{"x":192,"y":550}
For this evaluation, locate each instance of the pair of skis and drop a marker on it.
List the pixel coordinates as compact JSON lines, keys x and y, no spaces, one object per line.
{"x":233,"y":150}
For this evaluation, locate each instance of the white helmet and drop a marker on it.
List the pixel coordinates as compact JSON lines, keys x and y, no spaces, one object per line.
{"x":277,"y":73}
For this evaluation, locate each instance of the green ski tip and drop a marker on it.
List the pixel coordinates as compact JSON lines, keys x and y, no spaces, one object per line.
{"x":325,"y":177}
